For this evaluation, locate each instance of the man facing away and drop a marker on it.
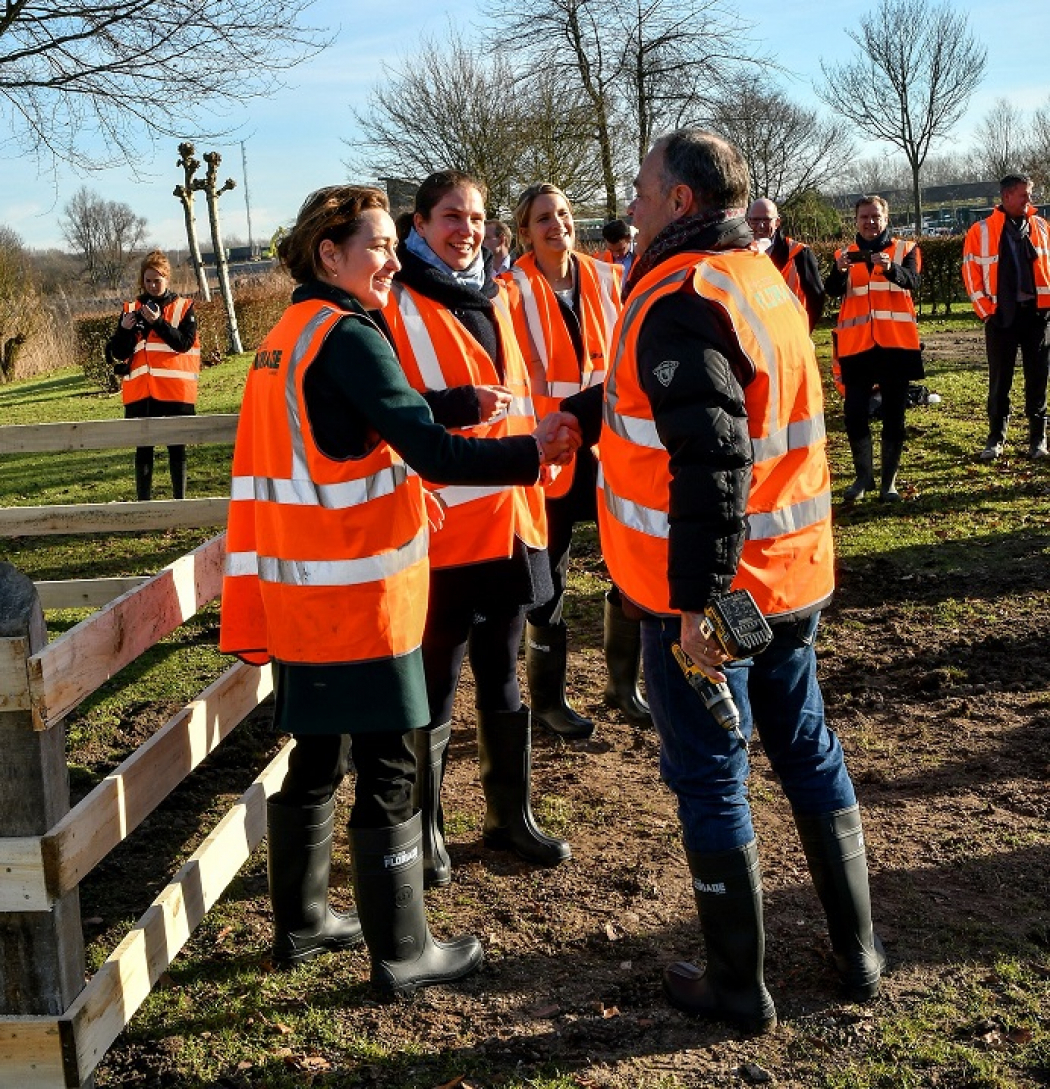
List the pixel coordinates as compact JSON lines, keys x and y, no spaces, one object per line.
{"x":714,"y":475}
{"x":795,"y":260}
{"x":1006,"y":270}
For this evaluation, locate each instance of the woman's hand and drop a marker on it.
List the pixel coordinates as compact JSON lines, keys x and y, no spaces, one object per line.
{"x":558,"y":437}
{"x":128,"y":320}
{"x":493,"y":401}
{"x":150,"y":312}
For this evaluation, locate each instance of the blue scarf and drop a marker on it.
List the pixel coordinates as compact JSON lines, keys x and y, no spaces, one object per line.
{"x":474,"y":276}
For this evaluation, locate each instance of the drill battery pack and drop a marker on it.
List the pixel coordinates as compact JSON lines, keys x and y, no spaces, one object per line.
{"x":738,"y":625}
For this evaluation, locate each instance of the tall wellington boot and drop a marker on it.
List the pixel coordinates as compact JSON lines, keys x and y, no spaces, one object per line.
{"x":1037,"y":437}
{"x":864,"y":467}
{"x":891,"y":459}
{"x":505,"y":757}
{"x":834,"y":847}
{"x":996,"y":440}
{"x":177,"y":471}
{"x":143,"y":472}
{"x":732,"y":988}
{"x":622,"y":640}
{"x":388,"y":884}
{"x":545,"y":666}
{"x":431,"y":747}
{"x":298,"y":860}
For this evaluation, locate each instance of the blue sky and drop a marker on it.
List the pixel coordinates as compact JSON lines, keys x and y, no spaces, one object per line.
{"x":295,"y":140}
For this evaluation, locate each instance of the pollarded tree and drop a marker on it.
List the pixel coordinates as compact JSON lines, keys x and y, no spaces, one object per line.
{"x":916,"y":66}
{"x":788,"y":149}
{"x":119,"y":68}
{"x":105,"y":233}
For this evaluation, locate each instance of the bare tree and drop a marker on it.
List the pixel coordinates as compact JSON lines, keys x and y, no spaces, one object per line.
{"x":788,"y":149}
{"x":106,"y":234}
{"x":1037,"y":149}
{"x":916,"y":66}
{"x":120,"y":68}
{"x":998,"y":140}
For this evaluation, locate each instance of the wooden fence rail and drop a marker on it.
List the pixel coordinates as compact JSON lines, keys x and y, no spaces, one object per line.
{"x":54,"y":1027}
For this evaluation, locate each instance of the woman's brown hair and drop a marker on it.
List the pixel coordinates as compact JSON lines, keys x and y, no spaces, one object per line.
{"x":155,"y":259}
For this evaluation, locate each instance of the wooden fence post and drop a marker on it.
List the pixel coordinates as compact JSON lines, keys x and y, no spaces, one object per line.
{"x":41,"y":952}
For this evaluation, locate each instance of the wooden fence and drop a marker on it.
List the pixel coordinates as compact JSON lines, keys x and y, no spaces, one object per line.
{"x":54,"y":1027}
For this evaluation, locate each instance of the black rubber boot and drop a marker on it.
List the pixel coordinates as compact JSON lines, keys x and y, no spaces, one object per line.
{"x":731,"y":988}
{"x":622,"y":640}
{"x":545,"y":665}
{"x":863,"y":465}
{"x":891,"y":459}
{"x":143,"y":472}
{"x":177,"y":471}
{"x":834,"y":847}
{"x":388,"y":883}
{"x":996,"y":440}
{"x":431,"y":747}
{"x":1037,"y":437}
{"x":298,"y":860}
{"x":505,"y":757}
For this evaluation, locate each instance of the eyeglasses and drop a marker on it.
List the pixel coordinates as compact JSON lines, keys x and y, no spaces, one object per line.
{"x":760,"y":219}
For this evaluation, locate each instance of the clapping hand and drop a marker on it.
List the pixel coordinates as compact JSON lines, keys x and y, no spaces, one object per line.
{"x":558,"y":436}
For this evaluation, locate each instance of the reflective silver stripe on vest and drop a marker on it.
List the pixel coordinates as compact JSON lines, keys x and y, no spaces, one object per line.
{"x":562,"y":389}
{"x":778,"y":523}
{"x":305,"y":493}
{"x":300,"y":468}
{"x":647,"y":520}
{"x":639,"y":430}
{"x":796,"y":436}
{"x":419,"y":340}
{"x":164,"y":372}
{"x":455,"y":495}
{"x":534,"y":327}
{"x":241,"y":563}
{"x":344,"y":572}
{"x":607,"y":293}
{"x":596,"y":378}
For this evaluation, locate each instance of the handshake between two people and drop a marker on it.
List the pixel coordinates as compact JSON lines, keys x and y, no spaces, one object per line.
{"x":558,"y":436}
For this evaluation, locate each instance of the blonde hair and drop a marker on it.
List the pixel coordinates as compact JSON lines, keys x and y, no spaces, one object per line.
{"x":523,"y":209}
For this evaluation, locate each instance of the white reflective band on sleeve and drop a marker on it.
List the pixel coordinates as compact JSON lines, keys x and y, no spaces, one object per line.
{"x":241,"y":563}
{"x":455,"y":495}
{"x":344,"y":572}
{"x":778,"y":523}
{"x":796,"y":436}
{"x":647,"y":520}
{"x":419,"y":340}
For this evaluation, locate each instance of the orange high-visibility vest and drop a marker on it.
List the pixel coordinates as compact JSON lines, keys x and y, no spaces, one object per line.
{"x":787,"y":560}
{"x":875,"y":312}
{"x":157,"y":370}
{"x":437,"y":352}
{"x":980,"y":268}
{"x":326,"y":561}
{"x":554,"y":371}
{"x":790,"y":272}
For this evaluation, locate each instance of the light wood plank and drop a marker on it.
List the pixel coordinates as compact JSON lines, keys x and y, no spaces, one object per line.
{"x":126,"y":797}
{"x":105,"y":1006}
{"x":78,"y":518}
{"x":85,"y":593}
{"x":14,"y":674}
{"x":31,"y":1053}
{"x":118,"y":434}
{"x":72,"y":667}
{"x":23,"y":886}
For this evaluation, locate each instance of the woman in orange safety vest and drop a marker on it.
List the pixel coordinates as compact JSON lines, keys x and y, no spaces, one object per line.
{"x":876,"y":340}
{"x":451,"y":324}
{"x":326,"y":576}
{"x":158,"y":359}
{"x":565,"y":306}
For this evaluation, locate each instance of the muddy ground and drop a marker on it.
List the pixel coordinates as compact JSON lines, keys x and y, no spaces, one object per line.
{"x":944,"y":713}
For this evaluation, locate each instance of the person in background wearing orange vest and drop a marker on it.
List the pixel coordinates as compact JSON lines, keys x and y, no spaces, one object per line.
{"x":451,"y":324}
{"x":876,"y":340}
{"x":714,"y":475}
{"x":619,"y":238}
{"x":795,"y":261}
{"x":497,"y":242}
{"x":159,"y":362}
{"x":326,"y":576}
{"x":565,"y":305}
{"x":1006,"y":270}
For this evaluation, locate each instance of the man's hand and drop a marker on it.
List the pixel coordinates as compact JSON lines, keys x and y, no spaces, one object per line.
{"x":558,"y":436}
{"x":493,"y":401}
{"x":702,"y":646}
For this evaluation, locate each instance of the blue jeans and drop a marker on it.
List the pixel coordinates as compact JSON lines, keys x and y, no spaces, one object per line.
{"x":707,"y":767}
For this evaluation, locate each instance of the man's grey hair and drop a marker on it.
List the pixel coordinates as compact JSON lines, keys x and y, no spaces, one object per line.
{"x":711,"y":167}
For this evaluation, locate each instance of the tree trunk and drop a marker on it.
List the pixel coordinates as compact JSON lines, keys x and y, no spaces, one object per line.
{"x":223,"y":271}
{"x":195,"y":250}
{"x":916,"y":190}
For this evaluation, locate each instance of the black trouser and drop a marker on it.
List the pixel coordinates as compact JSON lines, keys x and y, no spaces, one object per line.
{"x":453,"y":628}
{"x":859,"y":385}
{"x":385,"y":765}
{"x":1027,"y":334}
{"x":151,"y":407}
